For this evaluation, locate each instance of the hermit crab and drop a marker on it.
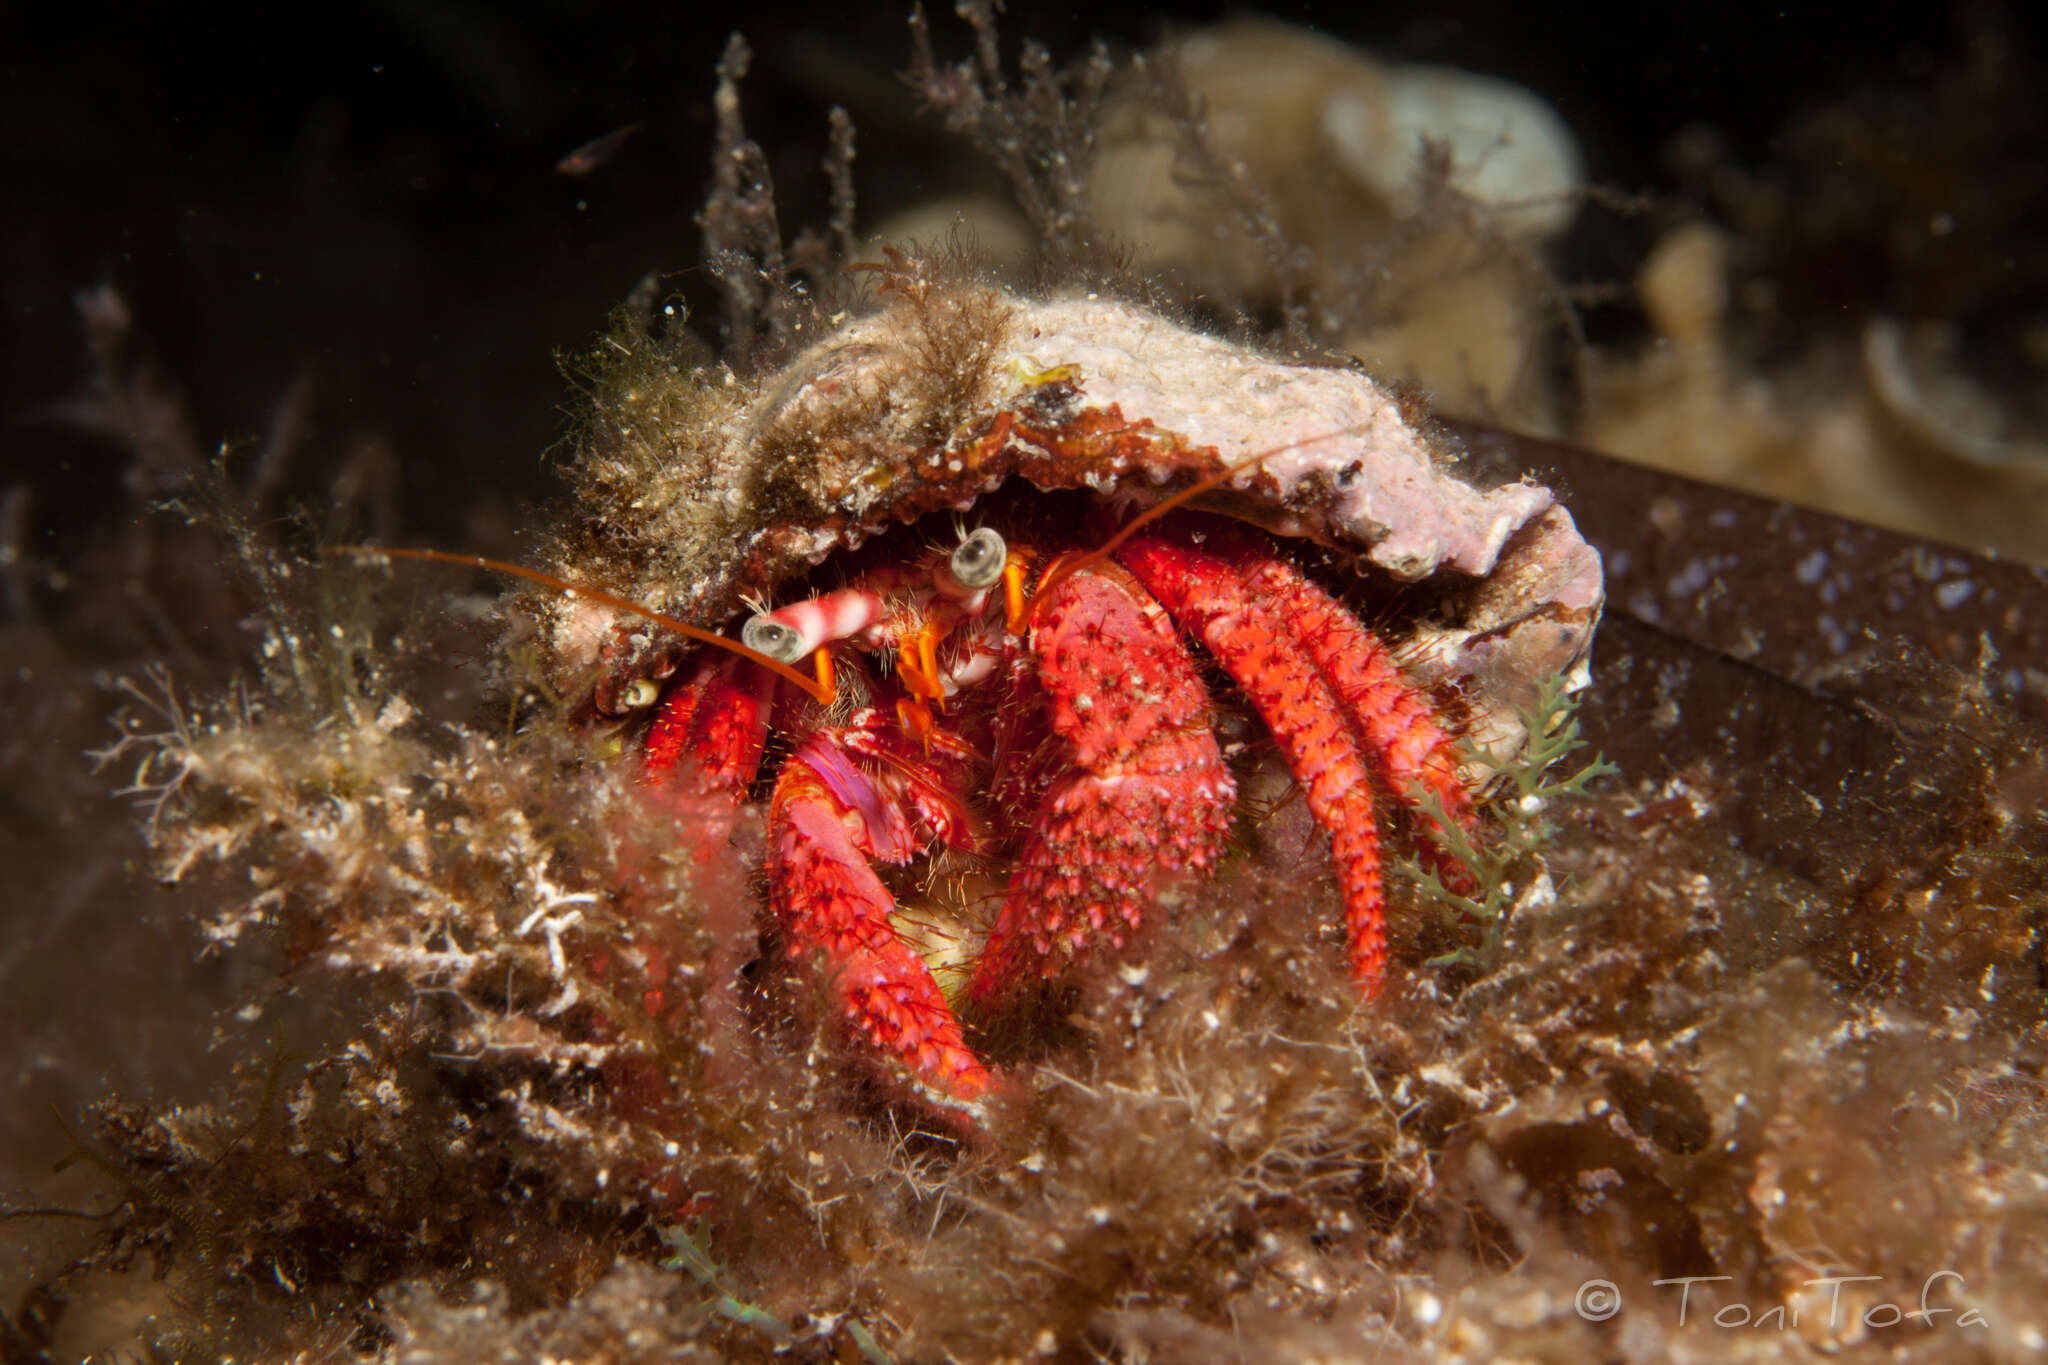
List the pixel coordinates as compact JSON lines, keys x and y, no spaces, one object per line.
{"x":989,"y":563}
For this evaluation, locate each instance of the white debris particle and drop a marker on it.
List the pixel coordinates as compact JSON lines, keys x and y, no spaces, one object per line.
{"x":1690,"y":579}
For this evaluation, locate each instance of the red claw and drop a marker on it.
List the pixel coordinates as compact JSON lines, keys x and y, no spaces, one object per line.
{"x":1147,"y":792}
{"x":829,"y":818}
{"x":1092,"y":725}
{"x":718,"y":719}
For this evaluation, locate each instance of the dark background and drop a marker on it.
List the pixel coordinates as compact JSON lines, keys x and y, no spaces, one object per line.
{"x":360,"y":207}
{"x":366,"y":198}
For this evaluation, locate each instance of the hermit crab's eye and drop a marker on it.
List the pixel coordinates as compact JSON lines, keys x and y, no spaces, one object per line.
{"x":640,"y":692}
{"x":978,"y":562}
{"x":782,"y":643}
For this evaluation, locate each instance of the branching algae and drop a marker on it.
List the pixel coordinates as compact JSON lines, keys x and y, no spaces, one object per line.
{"x":577,"y":1107}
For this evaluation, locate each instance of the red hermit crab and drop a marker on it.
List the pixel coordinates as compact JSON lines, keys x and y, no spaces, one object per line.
{"x":1023,"y":689}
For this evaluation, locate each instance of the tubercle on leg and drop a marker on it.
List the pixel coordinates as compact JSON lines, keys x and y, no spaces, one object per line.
{"x":1404,"y":742}
{"x":830,"y":904}
{"x":1210,"y":598}
{"x":716,"y":718}
{"x":1148,"y":791}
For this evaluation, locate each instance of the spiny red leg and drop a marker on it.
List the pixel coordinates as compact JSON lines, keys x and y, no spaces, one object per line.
{"x":718,"y":718}
{"x":1208,"y":596}
{"x":828,"y":817}
{"x":700,"y":755}
{"x":1148,"y":792}
{"x":1403,"y":740}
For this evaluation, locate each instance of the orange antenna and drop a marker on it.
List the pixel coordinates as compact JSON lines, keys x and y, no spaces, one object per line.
{"x":1071,"y":562}
{"x":562,"y":585}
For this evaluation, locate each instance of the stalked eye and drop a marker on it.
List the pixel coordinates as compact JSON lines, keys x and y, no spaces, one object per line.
{"x":782,"y":643}
{"x":640,"y":692}
{"x":978,"y":562}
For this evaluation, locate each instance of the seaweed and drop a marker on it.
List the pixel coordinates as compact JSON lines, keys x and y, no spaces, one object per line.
{"x":543,"y":1096}
{"x":1506,"y":860}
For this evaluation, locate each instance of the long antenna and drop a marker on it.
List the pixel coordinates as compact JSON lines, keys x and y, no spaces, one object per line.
{"x":573,"y":589}
{"x":1072,"y":562}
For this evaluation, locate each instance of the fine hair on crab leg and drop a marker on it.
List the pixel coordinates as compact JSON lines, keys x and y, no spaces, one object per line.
{"x":719,"y":718}
{"x":1147,"y":794}
{"x":828,"y":817}
{"x":1209,"y":597}
{"x":1402,"y":737}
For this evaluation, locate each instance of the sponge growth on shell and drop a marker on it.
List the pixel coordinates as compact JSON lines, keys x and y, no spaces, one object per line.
{"x":1684,"y":1059}
{"x":708,"y":490}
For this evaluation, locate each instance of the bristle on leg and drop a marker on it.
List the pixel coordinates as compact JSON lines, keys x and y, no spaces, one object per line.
{"x":1148,"y":793}
{"x":1209,"y":596}
{"x":832,"y":906}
